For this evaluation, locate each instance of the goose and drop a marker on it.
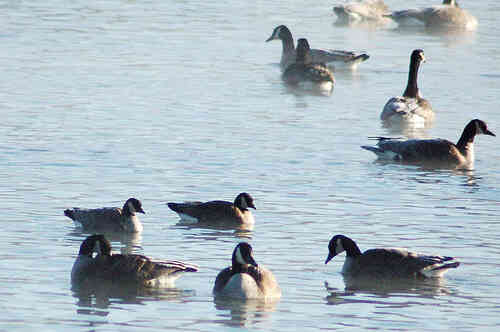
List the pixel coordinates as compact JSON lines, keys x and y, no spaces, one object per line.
{"x":117,"y":268}
{"x":447,"y":15}
{"x":245,"y":279}
{"x":332,"y":58}
{"x":315,"y":77}
{"x":217,"y":212}
{"x":387,"y":262}
{"x":358,"y":11}
{"x":109,"y":218}
{"x":437,"y":151}
{"x":410,"y":108}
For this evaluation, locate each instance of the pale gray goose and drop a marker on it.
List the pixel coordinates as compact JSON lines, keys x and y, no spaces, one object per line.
{"x":387,"y":262}
{"x":447,"y":15}
{"x":245,"y":279}
{"x":410,"y":108}
{"x":308,"y":76}
{"x":132,"y":269}
{"x":109,"y":218}
{"x":371,"y":11}
{"x":217,"y":212}
{"x":332,"y":58}
{"x":433,"y":151}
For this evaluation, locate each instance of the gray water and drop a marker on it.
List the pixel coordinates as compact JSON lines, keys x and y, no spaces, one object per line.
{"x":182,"y":100}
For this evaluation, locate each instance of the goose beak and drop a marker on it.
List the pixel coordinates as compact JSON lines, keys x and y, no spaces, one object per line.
{"x":251,"y":261}
{"x":141,"y":210}
{"x":269,"y":39}
{"x":329,"y":258}
{"x":487,"y":132}
{"x":253,"y":206}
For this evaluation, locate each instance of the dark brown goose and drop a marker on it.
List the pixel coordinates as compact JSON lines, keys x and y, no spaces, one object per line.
{"x":433,"y":151}
{"x":387,"y":262}
{"x":130,"y":269}
{"x":447,"y":15}
{"x":245,"y":279}
{"x":109,"y":218}
{"x":217,"y":212}
{"x":410,"y":108}
{"x":333,"y":58}
{"x":308,"y":76}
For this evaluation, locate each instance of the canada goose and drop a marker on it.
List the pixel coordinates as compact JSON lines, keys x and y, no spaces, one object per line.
{"x":109,"y":218}
{"x":438,"y":151}
{"x":245,"y":279}
{"x":387,"y":262}
{"x":217,"y":212}
{"x":333,"y":58}
{"x":447,"y":15}
{"x":134,"y":269}
{"x":358,"y":11}
{"x":411,"y":108}
{"x":315,"y":77}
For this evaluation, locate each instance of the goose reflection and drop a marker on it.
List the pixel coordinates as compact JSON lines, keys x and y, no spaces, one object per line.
{"x":216,"y":231}
{"x":95,"y":298}
{"x":385,"y":288}
{"x":245,"y":312}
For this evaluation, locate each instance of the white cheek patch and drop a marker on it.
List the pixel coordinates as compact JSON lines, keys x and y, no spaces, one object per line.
{"x":131,"y":207}
{"x":244,"y":203}
{"x":97,"y":248}
{"x":339,"y":247}
{"x":239,"y":257}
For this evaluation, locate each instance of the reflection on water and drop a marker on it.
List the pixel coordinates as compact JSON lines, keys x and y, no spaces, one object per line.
{"x":244,"y":312}
{"x":96,"y":297}
{"x":386,"y":288}
{"x":408,"y":130}
{"x":239,"y":231}
{"x":130,"y":243}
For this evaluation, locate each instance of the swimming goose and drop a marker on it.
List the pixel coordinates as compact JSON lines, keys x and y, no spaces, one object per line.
{"x":447,"y":15}
{"x":410,"y":108}
{"x":437,"y":151}
{"x":358,"y":11}
{"x":387,"y":262}
{"x":245,"y":279}
{"x":217,"y":212}
{"x":109,"y":218}
{"x":304,"y":74}
{"x":134,"y":269}
{"x":332,"y":58}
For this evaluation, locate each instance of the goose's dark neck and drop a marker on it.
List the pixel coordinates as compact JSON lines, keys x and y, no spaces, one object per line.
{"x":412,"y":87}
{"x":467,"y":138}
{"x":126,"y":210}
{"x":287,"y":42}
{"x":351,"y":248}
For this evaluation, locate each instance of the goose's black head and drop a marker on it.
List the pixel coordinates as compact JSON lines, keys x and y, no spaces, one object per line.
{"x":280,"y":32}
{"x":95,"y":244}
{"x":417,"y":56}
{"x":340,"y":243}
{"x":242,"y":255}
{"x":303,"y":48}
{"x":244,"y":201}
{"x":480,"y":127}
{"x":132,"y":206}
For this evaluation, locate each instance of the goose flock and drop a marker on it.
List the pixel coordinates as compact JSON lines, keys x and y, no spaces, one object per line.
{"x":310,"y":70}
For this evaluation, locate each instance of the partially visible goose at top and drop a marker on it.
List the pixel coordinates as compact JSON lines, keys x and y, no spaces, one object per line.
{"x":433,"y":151}
{"x":371,"y":11}
{"x":109,"y":218}
{"x":308,"y":76}
{"x":332,"y":58}
{"x":387,"y":262}
{"x":410,"y":108}
{"x":217,"y":212}
{"x":447,"y":15}
{"x":116,"y":268}
{"x":245,"y":279}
